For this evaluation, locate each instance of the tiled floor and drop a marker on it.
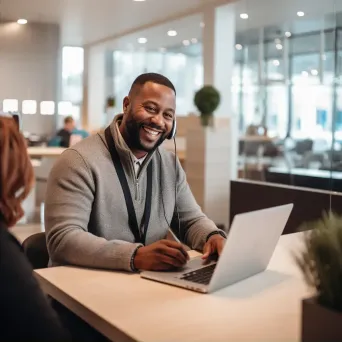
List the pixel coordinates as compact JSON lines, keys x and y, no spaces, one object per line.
{"x":22,"y":231}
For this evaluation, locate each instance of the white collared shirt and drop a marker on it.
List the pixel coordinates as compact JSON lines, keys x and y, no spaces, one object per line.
{"x":137,"y":163}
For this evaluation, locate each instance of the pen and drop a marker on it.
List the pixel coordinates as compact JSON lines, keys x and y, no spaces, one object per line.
{"x":173,"y":235}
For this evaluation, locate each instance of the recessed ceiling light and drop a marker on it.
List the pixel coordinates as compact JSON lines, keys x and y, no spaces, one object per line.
{"x":300,"y":14}
{"x":186,"y":42}
{"x":238,"y":47}
{"x":194,"y":40}
{"x":305,"y":73}
{"x":288,"y":34}
{"x":202,"y":24}
{"x":314,"y":72}
{"x":142,"y":40}
{"x":279,"y":46}
{"x":22,"y":21}
{"x":172,"y":33}
{"x":244,"y":16}
{"x":276,"y":62}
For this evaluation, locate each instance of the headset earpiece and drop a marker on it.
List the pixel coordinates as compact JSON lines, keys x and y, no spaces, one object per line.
{"x":173,"y":130}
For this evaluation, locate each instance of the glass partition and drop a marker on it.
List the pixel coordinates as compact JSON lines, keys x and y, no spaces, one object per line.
{"x":288,"y":95}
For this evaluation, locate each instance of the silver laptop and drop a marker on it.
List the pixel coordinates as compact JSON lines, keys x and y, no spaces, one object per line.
{"x":249,"y":247}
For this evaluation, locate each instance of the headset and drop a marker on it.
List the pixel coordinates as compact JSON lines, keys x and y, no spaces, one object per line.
{"x":173,"y":132}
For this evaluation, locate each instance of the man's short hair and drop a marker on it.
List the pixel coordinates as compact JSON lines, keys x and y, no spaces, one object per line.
{"x":154,"y":78}
{"x":68,"y":119}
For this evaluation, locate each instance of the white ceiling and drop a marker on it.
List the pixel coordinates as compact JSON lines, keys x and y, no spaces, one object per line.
{"x":89,"y":21}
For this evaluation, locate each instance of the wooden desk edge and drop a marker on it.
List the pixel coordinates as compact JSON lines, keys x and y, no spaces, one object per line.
{"x":93,"y":319}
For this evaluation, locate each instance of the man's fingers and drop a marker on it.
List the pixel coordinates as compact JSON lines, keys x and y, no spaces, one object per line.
{"x":206,"y":251}
{"x":176,"y":245}
{"x":175,"y":254}
{"x":165,"y":259}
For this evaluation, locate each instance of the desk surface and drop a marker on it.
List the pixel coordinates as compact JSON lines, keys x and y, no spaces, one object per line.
{"x":124,"y":307}
{"x":44,"y":151}
{"x":56,"y":151}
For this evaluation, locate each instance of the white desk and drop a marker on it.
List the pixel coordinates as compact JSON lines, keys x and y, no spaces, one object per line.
{"x":44,"y":151}
{"x":124,"y":307}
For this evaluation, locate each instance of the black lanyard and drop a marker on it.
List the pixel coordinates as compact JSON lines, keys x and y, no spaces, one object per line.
{"x":140,"y":237}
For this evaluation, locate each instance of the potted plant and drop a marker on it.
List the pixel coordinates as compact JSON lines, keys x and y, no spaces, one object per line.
{"x":110,"y":103}
{"x":321,"y":265}
{"x":207,"y":99}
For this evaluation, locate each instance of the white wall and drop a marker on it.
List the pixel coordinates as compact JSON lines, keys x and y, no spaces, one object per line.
{"x":29,"y":60}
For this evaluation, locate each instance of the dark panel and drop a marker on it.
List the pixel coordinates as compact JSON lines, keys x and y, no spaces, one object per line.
{"x":308,"y":204}
{"x":320,"y":181}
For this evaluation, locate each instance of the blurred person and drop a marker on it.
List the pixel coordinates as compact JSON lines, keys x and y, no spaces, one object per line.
{"x":93,"y":219}
{"x":66,"y":132}
{"x":25,"y":313}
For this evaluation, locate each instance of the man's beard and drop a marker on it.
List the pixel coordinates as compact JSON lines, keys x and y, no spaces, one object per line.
{"x":133,"y":129}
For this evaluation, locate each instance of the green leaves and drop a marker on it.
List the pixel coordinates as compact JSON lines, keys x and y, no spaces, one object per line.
{"x":321,"y":261}
{"x":207,"y":100}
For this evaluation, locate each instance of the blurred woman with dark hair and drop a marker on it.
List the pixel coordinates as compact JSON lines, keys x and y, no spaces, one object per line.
{"x":25,"y":313}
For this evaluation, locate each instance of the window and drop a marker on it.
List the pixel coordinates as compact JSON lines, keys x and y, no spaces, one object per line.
{"x":72,"y":74}
{"x":277,"y":110}
{"x":29,"y":107}
{"x":47,"y":108}
{"x":313,"y":118}
{"x":184,"y":71}
{"x":65,"y":108}
{"x":10,"y":105}
{"x":305,"y":69}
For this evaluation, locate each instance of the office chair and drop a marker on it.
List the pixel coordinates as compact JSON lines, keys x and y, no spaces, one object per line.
{"x":36,"y":250}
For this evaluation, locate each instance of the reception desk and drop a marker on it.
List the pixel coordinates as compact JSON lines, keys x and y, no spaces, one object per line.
{"x":125,"y":307}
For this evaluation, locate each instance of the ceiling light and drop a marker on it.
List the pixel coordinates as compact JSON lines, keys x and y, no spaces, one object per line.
{"x":172,"y":33}
{"x":305,"y":73}
{"x":288,"y":34}
{"x":300,"y":14}
{"x":279,"y":46}
{"x":314,"y":72}
{"x":238,"y":47}
{"x":22,"y":21}
{"x":276,"y":62}
{"x":142,"y":40}
{"x":194,"y":40}
{"x":244,"y":16}
{"x":186,"y":42}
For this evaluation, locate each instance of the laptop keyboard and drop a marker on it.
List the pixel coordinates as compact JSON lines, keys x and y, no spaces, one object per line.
{"x":200,"y":276}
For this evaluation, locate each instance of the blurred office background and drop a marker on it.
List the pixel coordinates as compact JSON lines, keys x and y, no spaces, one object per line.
{"x":284,"y":86}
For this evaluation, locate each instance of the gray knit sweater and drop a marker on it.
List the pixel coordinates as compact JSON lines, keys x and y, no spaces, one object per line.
{"x":86,"y":218}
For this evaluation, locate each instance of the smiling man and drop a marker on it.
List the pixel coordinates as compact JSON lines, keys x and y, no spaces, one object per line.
{"x":112,"y":198}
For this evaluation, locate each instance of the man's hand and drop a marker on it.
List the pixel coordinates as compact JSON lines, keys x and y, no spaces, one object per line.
{"x":162,"y":255}
{"x":213,"y":246}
